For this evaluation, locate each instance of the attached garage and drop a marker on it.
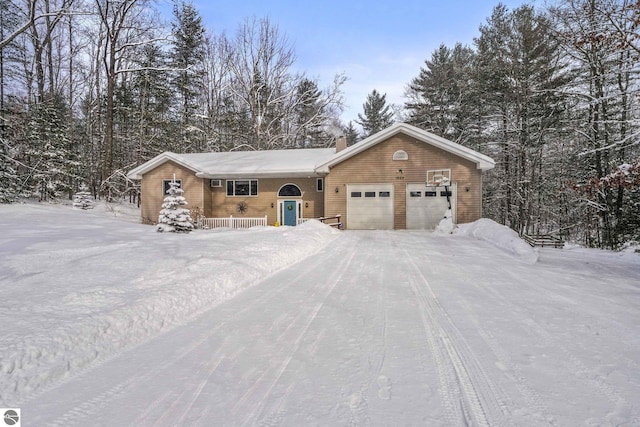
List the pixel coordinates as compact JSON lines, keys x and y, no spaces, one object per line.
{"x":370,"y":206}
{"x":377,"y":183}
{"x":426,"y":206}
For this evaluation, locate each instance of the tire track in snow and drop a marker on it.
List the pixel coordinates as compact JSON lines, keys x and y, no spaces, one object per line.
{"x":93,"y":405}
{"x":372,"y":355}
{"x":573,"y":363}
{"x":532,"y":397}
{"x":264,"y":386}
{"x":469,"y":396}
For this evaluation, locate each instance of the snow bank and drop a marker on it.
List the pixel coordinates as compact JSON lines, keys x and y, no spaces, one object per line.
{"x":84,"y":285}
{"x":446,"y":225}
{"x":500,"y":236}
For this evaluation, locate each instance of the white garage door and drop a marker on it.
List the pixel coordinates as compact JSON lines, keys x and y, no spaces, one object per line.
{"x":426,"y":206}
{"x":370,"y":206}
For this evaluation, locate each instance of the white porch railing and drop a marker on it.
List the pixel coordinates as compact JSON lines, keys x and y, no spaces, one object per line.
{"x":232,"y":222}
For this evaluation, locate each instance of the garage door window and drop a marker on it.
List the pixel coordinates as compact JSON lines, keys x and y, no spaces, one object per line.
{"x":384,"y":194}
{"x":430,"y":194}
{"x":369,"y":194}
{"x":445,"y":193}
{"x":415,"y":194}
{"x":356,"y":194}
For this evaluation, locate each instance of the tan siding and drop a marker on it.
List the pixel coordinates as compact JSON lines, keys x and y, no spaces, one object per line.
{"x":376,"y":165}
{"x":223,"y":206}
{"x":152,"y":189}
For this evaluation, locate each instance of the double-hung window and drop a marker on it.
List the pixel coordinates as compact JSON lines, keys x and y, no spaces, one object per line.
{"x":242,"y":187}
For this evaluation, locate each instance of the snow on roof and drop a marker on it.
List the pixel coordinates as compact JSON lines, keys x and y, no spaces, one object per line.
{"x":306,"y":162}
{"x":249,"y":164}
{"x":257,"y":164}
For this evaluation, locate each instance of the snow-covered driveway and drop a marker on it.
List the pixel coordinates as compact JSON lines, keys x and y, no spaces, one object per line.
{"x":385,"y":328}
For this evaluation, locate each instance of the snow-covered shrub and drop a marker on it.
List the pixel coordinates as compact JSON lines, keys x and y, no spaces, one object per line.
{"x":173,"y":217}
{"x":83,"y":200}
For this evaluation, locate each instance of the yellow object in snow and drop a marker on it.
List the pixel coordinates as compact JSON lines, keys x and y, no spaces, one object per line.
{"x":277,"y":224}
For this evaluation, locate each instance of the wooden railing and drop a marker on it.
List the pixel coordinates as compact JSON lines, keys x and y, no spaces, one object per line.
{"x":543,"y":240}
{"x":231,"y":222}
{"x":335,"y":221}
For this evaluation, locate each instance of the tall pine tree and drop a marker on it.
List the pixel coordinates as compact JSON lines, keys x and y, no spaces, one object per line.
{"x":377,"y":114}
{"x":518,"y":76}
{"x":440,"y":98}
{"x":188,"y":55}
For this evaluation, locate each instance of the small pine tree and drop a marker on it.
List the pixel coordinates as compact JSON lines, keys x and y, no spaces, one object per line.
{"x":173,"y":217}
{"x":83,"y":200}
{"x":351,"y":133}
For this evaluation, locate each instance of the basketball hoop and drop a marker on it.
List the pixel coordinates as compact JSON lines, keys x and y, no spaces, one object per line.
{"x":437,"y":181}
{"x":438,"y":178}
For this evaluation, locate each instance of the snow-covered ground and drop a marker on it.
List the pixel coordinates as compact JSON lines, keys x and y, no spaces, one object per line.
{"x":106,"y":322}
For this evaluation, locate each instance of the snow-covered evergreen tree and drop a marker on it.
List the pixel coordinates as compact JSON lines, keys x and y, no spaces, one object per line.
{"x":173,"y":217}
{"x":83,"y":200}
{"x":52,"y":161}
{"x":8,"y":177}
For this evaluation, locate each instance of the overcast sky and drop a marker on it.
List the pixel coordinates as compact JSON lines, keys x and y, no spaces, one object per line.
{"x":377,"y":45}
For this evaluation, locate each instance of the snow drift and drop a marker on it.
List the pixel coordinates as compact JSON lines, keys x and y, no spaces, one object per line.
{"x":84,"y":286}
{"x":501,"y":237}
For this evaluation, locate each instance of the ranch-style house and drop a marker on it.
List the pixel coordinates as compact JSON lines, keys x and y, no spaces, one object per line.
{"x":399,"y":178}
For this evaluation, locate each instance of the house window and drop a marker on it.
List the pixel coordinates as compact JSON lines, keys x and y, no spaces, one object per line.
{"x":242,"y":187}
{"x":290,"y":190}
{"x":166,"y":185}
{"x":319,"y":184}
{"x":400,"y":155}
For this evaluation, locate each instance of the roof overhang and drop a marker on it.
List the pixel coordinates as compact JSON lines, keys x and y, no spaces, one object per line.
{"x":482,"y":162}
{"x":261,"y":174}
{"x":167,"y":156}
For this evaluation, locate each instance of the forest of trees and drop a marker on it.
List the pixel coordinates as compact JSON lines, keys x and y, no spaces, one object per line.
{"x":92,"y":88}
{"x":554,"y":97}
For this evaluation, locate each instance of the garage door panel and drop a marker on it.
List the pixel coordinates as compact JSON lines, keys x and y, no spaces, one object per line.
{"x":426,"y":206}
{"x":370,"y":206}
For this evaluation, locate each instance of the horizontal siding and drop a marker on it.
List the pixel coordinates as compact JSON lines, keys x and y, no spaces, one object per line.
{"x":223,"y":206}
{"x":152,"y":189}
{"x":376,"y":165}
{"x":214,"y":202}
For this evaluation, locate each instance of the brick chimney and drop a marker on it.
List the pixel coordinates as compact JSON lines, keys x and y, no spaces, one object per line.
{"x":341,"y":143}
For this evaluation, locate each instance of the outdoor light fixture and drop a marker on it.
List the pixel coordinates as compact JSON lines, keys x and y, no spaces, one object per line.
{"x":467,"y":188}
{"x":271,"y":205}
{"x":306,"y":205}
{"x":337,"y":189}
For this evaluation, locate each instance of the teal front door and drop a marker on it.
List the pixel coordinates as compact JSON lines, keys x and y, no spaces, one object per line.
{"x":289,"y":207}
